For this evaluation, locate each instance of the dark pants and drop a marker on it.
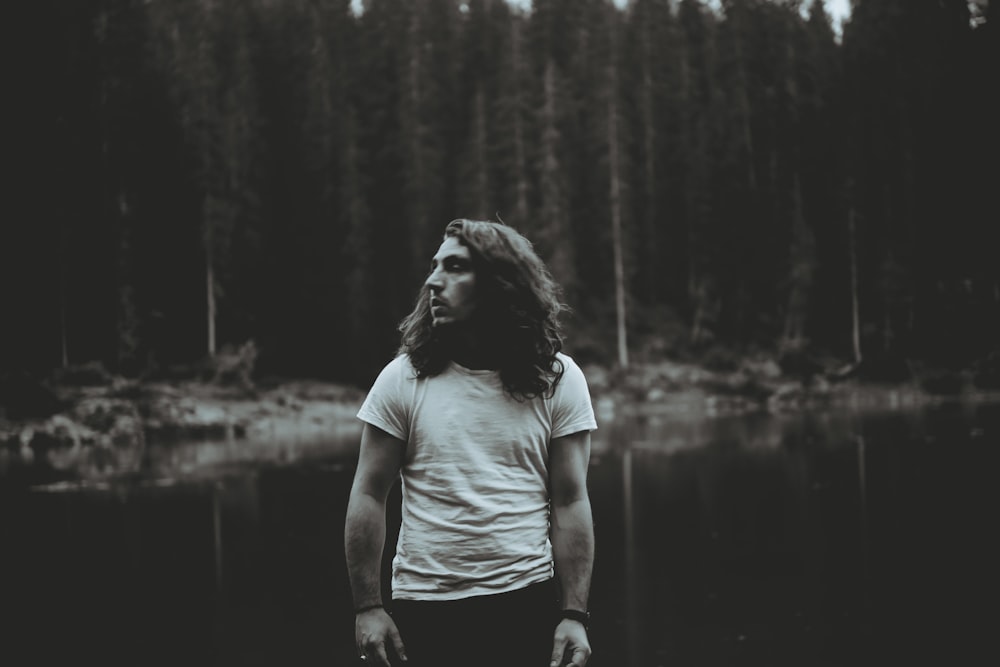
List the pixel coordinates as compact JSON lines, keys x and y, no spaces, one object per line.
{"x":505,"y":630}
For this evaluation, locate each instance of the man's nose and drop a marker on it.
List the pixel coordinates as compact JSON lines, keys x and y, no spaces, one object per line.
{"x":433,"y":281}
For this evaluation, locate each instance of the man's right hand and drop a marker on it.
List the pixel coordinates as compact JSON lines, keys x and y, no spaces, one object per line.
{"x":374,"y":632}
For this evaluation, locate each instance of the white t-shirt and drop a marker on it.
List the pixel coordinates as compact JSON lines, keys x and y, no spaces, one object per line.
{"x":475,"y":514}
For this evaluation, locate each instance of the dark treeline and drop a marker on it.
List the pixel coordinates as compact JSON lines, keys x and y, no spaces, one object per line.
{"x":207,"y":172}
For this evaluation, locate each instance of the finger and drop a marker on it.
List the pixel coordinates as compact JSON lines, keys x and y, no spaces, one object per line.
{"x":558,"y":650}
{"x":381,"y":658}
{"x":372,"y":652}
{"x":397,"y":643}
{"x":580,"y":657}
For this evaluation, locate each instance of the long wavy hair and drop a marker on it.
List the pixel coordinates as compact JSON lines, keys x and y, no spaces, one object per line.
{"x":517,"y":312}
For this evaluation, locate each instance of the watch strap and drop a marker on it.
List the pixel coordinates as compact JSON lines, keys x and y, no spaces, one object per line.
{"x":582,"y":617}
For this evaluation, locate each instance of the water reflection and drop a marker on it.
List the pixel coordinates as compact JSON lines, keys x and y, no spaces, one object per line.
{"x":816,"y":539}
{"x":822,"y":539}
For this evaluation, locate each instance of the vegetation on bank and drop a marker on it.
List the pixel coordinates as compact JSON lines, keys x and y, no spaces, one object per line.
{"x":84,"y":418}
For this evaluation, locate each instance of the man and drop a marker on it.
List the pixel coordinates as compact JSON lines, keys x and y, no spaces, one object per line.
{"x":488,"y":426}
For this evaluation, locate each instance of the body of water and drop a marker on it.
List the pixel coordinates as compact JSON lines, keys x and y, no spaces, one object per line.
{"x":826,"y":538}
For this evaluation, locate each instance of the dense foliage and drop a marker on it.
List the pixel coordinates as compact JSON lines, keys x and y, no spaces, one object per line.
{"x":206,"y":172}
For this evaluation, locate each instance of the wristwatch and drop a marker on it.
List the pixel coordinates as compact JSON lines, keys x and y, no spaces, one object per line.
{"x":582,"y":617}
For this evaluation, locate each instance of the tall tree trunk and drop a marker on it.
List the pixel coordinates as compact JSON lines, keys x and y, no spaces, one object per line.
{"x":888,"y":276}
{"x":480,"y":159}
{"x":852,"y":246}
{"x":520,"y":158}
{"x":116,"y":205}
{"x":742,"y":96}
{"x":802,"y":250}
{"x":415,"y":128}
{"x":63,"y":331}
{"x":647,"y":116}
{"x":358,"y":248}
{"x":616,"y":204}
{"x":128,"y":324}
{"x":696,"y":105}
{"x":554,"y":208}
{"x":209,"y":284}
{"x":802,"y":263}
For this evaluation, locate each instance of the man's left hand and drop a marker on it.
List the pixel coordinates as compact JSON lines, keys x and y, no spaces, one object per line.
{"x":571,"y":648}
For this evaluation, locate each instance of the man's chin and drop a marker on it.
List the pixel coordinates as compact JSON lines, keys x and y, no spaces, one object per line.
{"x":448,"y":326}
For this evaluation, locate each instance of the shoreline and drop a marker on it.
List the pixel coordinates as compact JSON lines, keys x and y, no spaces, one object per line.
{"x":117,"y":420}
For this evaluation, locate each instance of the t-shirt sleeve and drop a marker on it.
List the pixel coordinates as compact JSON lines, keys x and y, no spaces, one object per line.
{"x":385,"y":406}
{"x":572,"y":409}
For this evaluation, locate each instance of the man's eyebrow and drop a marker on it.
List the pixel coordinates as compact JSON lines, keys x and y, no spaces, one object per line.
{"x":452,"y":257}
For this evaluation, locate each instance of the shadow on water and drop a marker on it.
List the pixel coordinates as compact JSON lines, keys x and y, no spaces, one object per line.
{"x":814,"y":539}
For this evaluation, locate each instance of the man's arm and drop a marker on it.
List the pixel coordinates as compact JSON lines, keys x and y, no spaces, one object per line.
{"x":364,"y":537}
{"x":572,"y":541}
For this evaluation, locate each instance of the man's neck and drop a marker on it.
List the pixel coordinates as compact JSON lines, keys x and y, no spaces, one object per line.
{"x":469,"y":349}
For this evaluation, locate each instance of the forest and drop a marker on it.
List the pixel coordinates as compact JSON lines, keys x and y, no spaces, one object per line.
{"x":708,"y":181}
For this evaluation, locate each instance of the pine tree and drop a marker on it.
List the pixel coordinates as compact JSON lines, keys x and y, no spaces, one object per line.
{"x":204,"y":50}
{"x":615,"y":186}
{"x":697,"y":99}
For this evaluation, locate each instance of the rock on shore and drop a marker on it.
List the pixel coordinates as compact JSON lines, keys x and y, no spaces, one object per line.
{"x":92,"y":430}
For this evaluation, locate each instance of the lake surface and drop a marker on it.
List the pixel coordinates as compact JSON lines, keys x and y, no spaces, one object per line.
{"x":824,"y":538}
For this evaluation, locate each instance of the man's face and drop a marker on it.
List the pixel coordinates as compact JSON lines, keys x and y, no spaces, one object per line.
{"x":452,"y":284}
